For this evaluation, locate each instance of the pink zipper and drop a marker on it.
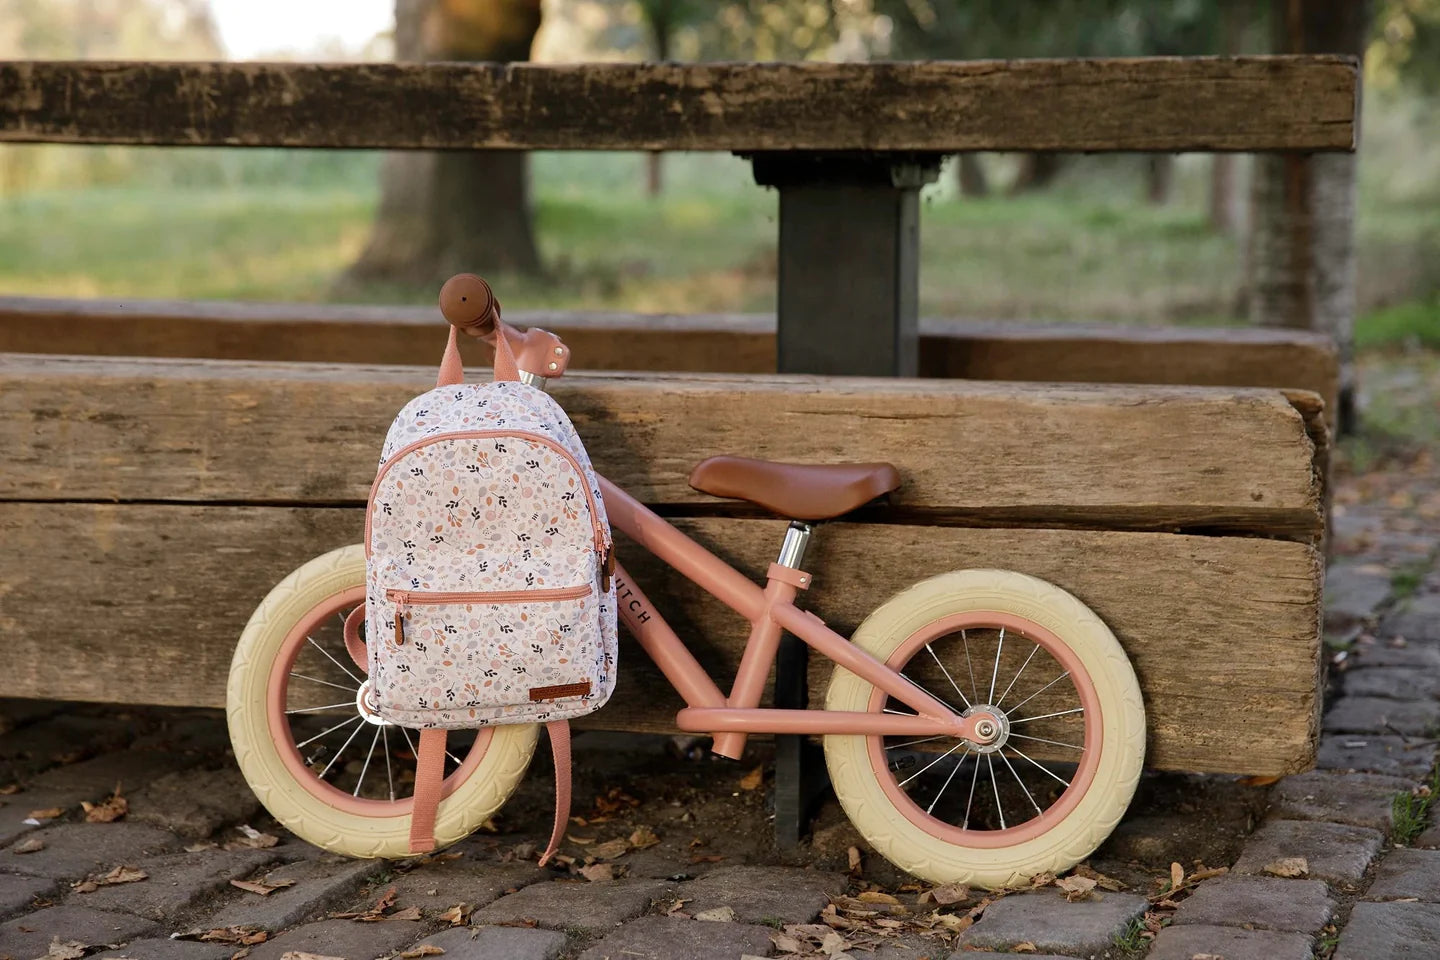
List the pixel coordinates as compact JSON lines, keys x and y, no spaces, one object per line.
{"x":600,"y":543}
{"x":418,"y":598}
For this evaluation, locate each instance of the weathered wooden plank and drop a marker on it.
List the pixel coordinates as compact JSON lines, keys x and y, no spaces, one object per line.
{"x":714,"y":343}
{"x":1161,"y":103}
{"x":78,"y":428}
{"x":144,"y":602}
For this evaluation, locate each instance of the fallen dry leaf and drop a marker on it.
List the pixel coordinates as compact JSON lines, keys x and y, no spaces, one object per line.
{"x":1025,"y":946}
{"x":598,"y":872}
{"x":240,"y":954}
{"x":65,"y":949}
{"x":610,"y":849}
{"x":424,"y":950}
{"x":954,"y":923}
{"x":1042,"y":880}
{"x":409,"y":913}
{"x":707,"y":858}
{"x":117,"y":875}
{"x":33,"y":845}
{"x":1207,"y":873}
{"x":264,"y":889}
{"x":302,"y":955}
{"x":643,"y":837}
{"x":9,"y":788}
{"x":49,"y":813}
{"x":788,"y":944}
{"x":582,"y":841}
{"x":875,"y":896}
{"x":853,"y":856}
{"x":753,"y":779}
{"x":1177,"y":876}
{"x":457,"y":915}
{"x":240,"y":936}
{"x":1102,"y":881}
{"x":1289,"y":867}
{"x":252,"y":839}
{"x":1076,"y":888}
{"x":717,"y":915}
{"x":109,"y":810}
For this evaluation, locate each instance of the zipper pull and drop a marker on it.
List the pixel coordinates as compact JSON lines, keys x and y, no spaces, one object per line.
{"x":607,"y":568}
{"x":400,"y":621}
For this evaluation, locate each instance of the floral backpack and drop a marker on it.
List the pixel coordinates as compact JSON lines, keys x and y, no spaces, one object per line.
{"x":489,"y":596}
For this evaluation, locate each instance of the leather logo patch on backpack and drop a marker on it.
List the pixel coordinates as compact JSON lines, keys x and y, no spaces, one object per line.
{"x":560,"y":690}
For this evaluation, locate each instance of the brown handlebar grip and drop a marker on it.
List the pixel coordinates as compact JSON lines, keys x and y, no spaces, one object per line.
{"x":468,"y":302}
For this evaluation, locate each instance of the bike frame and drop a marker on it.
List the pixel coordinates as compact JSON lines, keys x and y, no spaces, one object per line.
{"x":769,"y":610}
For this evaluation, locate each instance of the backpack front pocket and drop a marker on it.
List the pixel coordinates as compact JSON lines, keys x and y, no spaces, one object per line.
{"x":467,"y":657}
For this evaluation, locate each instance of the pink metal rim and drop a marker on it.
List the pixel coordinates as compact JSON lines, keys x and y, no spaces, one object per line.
{"x":278,"y":686}
{"x":1084,"y":774}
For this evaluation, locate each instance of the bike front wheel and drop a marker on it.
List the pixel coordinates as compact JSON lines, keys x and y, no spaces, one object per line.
{"x":1049,"y":789}
{"x":328,"y":769}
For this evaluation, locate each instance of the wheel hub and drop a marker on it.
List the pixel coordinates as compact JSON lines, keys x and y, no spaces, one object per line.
{"x":993,"y":726}
{"x":366,"y":709}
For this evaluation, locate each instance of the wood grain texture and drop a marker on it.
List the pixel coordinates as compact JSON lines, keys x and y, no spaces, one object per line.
{"x":708,"y":343}
{"x":78,"y":428}
{"x":1162,"y":104}
{"x":144,"y":602}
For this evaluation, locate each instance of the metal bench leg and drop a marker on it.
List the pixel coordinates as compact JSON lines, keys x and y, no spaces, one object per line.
{"x":849,"y":275}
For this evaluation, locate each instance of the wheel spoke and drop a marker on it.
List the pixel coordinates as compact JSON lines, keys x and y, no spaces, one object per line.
{"x":322,"y":733}
{"x":1040,"y":691}
{"x":340,"y":751}
{"x":1038,"y":811}
{"x":1047,"y":770}
{"x":946,"y":784}
{"x":990,"y":698}
{"x":974,"y":779}
{"x":361,"y":782}
{"x":337,"y":686}
{"x":899,"y":712}
{"x":932,"y":763}
{"x":974,"y":688}
{"x":1072,"y":746}
{"x":334,"y":661}
{"x":911,"y":743}
{"x":1017,"y":675}
{"x":1047,"y":716}
{"x":328,"y":706}
{"x":385,"y":744}
{"x":927,"y":691}
{"x":995,"y":785}
{"x":947,"y":677}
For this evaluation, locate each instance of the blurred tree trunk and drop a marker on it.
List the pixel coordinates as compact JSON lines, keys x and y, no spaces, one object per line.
{"x":1159,"y":178}
{"x":971,"y":176}
{"x":1302,"y":235}
{"x":1037,"y":170}
{"x":1225,"y":212}
{"x":660,"y":16}
{"x":446,"y":212}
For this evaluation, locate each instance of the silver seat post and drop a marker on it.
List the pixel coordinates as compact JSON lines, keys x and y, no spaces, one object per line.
{"x":792,"y":551}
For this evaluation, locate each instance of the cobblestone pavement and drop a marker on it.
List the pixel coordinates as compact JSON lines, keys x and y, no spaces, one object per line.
{"x":1341,"y":863}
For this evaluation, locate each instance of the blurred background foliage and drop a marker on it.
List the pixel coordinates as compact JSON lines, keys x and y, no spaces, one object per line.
{"x":1120,"y":238}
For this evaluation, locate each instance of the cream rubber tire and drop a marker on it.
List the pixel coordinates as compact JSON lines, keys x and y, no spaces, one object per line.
{"x":468,"y":805}
{"x":1122,"y":736}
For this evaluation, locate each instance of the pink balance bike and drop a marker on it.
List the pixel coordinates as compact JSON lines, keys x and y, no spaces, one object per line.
{"x":980,"y":727}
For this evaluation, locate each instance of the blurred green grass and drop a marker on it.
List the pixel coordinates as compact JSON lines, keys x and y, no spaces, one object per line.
{"x":283,"y":225}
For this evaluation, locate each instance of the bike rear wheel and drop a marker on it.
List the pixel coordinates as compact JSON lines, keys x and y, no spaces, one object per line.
{"x":1049,"y":789}
{"x":325,"y":767}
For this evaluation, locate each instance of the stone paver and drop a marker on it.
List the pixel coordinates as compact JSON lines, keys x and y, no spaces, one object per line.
{"x":1231,"y":943}
{"x":498,"y":943}
{"x":76,"y":850}
{"x":764,"y":894}
{"x":29,"y":936}
{"x":320,"y":884}
{"x":1263,"y":903}
{"x":1429,"y":840}
{"x":1361,"y":799}
{"x":990,"y":955}
{"x":1353,"y":592}
{"x":1367,"y":753}
{"x":1414,"y":718}
{"x":1407,"y":873}
{"x":195,"y":803}
{"x":341,"y":938}
{"x":167,"y":949}
{"x":1380,"y":653}
{"x":1336,"y":852}
{"x":675,"y":938}
{"x":96,"y":778}
{"x":566,"y":905}
{"x":18,"y":893}
{"x":1396,"y":683}
{"x":439,"y":886}
{"x":1052,"y":924}
{"x":1418,"y":619}
{"x":178,"y":880}
{"x":1393,"y":931}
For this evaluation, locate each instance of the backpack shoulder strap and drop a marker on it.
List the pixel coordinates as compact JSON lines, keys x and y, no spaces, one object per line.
{"x":559,"y":731}
{"x":429,"y":778}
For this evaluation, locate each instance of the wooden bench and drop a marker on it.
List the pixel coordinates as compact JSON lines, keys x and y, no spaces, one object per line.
{"x":1187,"y":517}
{"x":697,"y":343}
{"x":148,"y":504}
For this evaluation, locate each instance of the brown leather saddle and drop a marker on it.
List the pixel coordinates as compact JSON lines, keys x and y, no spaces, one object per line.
{"x":799,"y":491}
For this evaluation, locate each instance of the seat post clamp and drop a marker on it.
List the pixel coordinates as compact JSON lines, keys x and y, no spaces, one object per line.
{"x":798,"y":579}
